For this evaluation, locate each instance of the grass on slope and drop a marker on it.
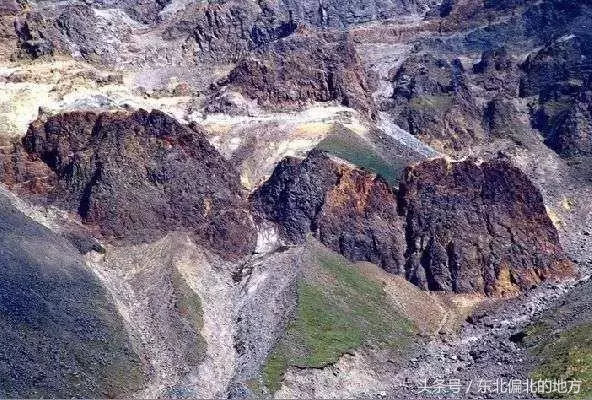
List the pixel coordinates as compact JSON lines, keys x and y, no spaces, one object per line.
{"x":348,"y":146}
{"x":188,"y":305}
{"x":567,"y":357}
{"x":339,"y":310}
{"x":432,"y":103}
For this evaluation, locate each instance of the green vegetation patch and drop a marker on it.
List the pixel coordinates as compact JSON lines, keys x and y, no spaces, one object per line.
{"x":348,"y":146}
{"x":339,"y":310}
{"x":567,"y":357}
{"x":188,"y":305}
{"x":425,"y":103}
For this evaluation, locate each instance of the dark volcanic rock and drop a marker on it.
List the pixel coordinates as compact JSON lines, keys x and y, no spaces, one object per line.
{"x":350,"y":211}
{"x":60,"y":336}
{"x":501,"y":119}
{"x":569,"y":132}
{"x":431,"y":100}
{"x":46,"y":33}
{"x":493,"y":60}
{"x":34,"y":35}
{"x":463,"y":227}
{"x":140,"y":175}
{"x":519,"y":25}
{"x":498,"y":72}
{"x":300,"y":69}
{"x":343,"y":13}
{"x":219,"y":31}
{"x":22,"y":173}
{"x":561,"y":76}
{"x":76,"y":29}
{"x":224,"y":31}
{"x":295,"y":193}
{"x":477,"y":228}
{"x":562,"y":68}
{"x":359,"y":220}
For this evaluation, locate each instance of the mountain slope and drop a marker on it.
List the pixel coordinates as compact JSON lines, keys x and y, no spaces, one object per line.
{"x":65,"y":335}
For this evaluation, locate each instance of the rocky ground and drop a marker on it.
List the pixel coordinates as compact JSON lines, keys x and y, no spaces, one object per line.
{"x":294,"y":198}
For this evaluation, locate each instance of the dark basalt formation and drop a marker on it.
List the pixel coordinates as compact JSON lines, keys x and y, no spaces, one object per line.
{"x":348,"y":210}
{"x":300,"y":69}
{"x":497,"y":72}
{"x":501,"y":119}
{"x":30,"y":42}
{"x":477,"y":228}
{"x":220,"y":31}
{"x":520,"y":25}
{"x":136,"y":176}
{"x":561,"y":68}
{"x":225,"y":30}
{"x":61,"y":334}
{"x":64,"y":30}
{"x":560,"y":75}
{"x":343,"y":13}
{"x":22,"y":173}
{"x":431,"y":100}
{"x":458,"y":227}
{"x":210,"y":31}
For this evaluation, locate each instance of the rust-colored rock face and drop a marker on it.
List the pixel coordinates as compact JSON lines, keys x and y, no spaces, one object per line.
{"x":456,"y":227}
{"x":477,"y":228}
{"x":24,"y":174}
{"x":136,"y":176}
{"x":300,"y":69}
{"x":360,"y":220}
{"x":348,"y":210}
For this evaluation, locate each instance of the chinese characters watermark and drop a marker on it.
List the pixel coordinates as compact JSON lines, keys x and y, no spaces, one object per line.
{"x":498,"y":386}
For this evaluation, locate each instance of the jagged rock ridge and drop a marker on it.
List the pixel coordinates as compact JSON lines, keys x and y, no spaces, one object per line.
{"x":351,"y":212}
{"x":303,"y":68}
{"x":136,"y":176}
{"x":458,"y":227}
{"x":431,"y":100}
{"x":477,"y":228}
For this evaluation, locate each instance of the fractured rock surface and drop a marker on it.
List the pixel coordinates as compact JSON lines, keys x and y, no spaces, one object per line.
{"x":301,"y":69}
{"x":458,"y":227}
{"x":431,"y":100}
{"x":136,"y":176}
{"x":492,"y":80}
{"x":349,"y":211}
{"x":340,"y":13}
{"x":477,"y":228}
{"x":561,"y":76}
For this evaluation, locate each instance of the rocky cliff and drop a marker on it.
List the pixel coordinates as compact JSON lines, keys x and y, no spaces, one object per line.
{"x":431,"y":100}
{"x":460,"y":227}
{"x":342,"y":14}
{"x":559,"y":76}
{"x":133,"y":177}
{"x":291,"y":73}
{"x":477,"y":228}
{"x":350,"y":211}
{"x":441,"y":148}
